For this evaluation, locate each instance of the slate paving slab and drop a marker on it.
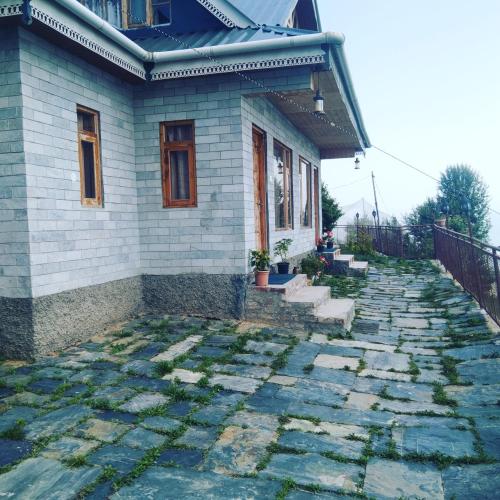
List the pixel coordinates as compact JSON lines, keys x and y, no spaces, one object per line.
{"x":161,"y":424}
{"x":198,"y":437}
{"x":41,"y":478}
{"x":235,"y":383}
{"x":69,"y":447}
{"x":259,"y":372}
{"x":186,"y":483}
{"x":144,"y":401}
{"x":336,"y":362}
{"x":16,"y":414}
{"x":386,"y":479}
{"x":312,"y":468}
{"x":319,"y":443}
{"x":122,"y":458}
{"x":12,"y":450}
{"x":480,"y":372}
{"x":428,"y":440}
{"x":143,"y":439}
{"x":57,"y":421}
{"x":181,"y":457}
{"x":474,"y":482}
{"x":387,"y":361}
{"x":101,"y":430}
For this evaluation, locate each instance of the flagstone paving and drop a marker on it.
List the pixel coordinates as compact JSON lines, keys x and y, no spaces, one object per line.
{"x":404,"y":406}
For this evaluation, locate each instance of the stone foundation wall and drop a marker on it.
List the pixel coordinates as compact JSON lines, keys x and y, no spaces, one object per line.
{"x":31,"y":327}
{"x":207,"y":295}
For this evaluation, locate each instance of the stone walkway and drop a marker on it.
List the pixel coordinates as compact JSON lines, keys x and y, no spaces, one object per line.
{"x":405,"y":407}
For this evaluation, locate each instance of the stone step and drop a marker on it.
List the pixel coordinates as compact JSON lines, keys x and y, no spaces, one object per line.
{"x":310,"y":295}
{"x":347,"y":258}
{"x":297,"y":282}
{"x":358,"y":268}
{"x":339,"y":311}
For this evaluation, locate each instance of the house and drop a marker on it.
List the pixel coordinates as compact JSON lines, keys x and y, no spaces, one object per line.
{"x":146,"y":146}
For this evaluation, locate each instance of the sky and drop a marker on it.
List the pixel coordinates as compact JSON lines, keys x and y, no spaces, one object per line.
{"x":427,"y":78}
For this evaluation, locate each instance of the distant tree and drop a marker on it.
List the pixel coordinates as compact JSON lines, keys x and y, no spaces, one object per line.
{"x":426,"y":213}
{"x":331,"y":210}
{"x":462,"y":193}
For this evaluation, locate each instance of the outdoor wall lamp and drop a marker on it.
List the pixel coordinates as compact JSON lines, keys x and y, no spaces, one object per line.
{"x":319,"y":100}
{"x":356,"y":164}
{"x":319,"y":103}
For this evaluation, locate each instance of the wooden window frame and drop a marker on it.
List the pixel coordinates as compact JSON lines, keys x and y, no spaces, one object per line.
{"x":149,"y":15}
{"x":289,"y":224}
{"x":306,"y":164}
{"x":166,"y":148}
{"x":92,"y":137}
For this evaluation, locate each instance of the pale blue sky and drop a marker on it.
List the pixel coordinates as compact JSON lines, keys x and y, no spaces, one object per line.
{"x":427,"y":77}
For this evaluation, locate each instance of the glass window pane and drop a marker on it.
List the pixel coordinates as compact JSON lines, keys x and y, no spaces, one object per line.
{"x":162,"y":12}
{"x":179,"y":133}
{"x":179,"y":175}
{"x":279,"y":191}
{"x":289,"y":190}
{"x":88,"y":169}
{"x":86,"y":122}
{"x":137,"y":12}
{"x":305,"y":193}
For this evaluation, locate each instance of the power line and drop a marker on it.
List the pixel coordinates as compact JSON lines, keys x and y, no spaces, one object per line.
{"x":291,"y":101}
{"x":351,"y":183}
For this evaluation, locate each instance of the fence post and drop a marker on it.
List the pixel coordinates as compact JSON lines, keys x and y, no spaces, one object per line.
{"x":435,"y":252}
{"x":497,"y":272}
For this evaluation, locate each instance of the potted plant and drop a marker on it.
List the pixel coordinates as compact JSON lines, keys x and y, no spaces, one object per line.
{"x":281,"y":249}
{"x":329,"y":239}
{"x":320,"y":245}
{"x":260,"y":260}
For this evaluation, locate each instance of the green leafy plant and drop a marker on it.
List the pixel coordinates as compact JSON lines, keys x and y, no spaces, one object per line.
{"x":281,"y":248}
{"x":260,"y":259}
{"x":312,"y":266}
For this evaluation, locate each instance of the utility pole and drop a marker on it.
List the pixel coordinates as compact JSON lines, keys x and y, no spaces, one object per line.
{"x":375,"y":196}
{"x":378,"y":229}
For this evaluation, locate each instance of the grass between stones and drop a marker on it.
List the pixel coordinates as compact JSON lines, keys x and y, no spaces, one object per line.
{"x":16,"y":432}
{"x":440,"y":397}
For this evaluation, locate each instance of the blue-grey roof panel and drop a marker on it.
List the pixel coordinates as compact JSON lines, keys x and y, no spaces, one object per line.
{"x":270,"y":12}
{"x":154,"y":39}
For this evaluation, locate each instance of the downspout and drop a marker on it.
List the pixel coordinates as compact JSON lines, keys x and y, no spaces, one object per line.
{"x":27,"y":18}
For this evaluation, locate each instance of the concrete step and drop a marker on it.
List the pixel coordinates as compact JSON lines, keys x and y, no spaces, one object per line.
{"x":310,"y":295}
{"x":345,"y":258}
{"x":338,"y":311}
{"x":358,"y":268}
{"x":297,"y":282}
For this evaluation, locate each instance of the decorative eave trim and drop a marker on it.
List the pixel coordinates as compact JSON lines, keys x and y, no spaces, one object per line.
{"x":11,"y":10}
{"x":217,"y":13}
{"x":238,"y":66}
{"x":87,"y":43}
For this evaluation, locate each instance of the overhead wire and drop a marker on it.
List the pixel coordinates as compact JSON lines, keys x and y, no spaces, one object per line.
{"x":292,"y":102}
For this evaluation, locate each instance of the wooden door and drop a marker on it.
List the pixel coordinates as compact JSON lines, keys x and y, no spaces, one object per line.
{"x":259,"y":179}
{"x":316,"y":204}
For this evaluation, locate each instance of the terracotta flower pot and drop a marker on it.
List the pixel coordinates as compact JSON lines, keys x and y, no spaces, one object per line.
{"x":262,"y":278}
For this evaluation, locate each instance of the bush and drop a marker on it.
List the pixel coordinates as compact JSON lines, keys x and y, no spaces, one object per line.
{"x":361,"y":243}
{"x":312,"y":265}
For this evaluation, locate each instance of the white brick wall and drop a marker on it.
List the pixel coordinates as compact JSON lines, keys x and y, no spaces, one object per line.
{"x":216,"y":236}
{"x":259,"y":111}
{"x":73,"y":246}
{"x":14,"y":243}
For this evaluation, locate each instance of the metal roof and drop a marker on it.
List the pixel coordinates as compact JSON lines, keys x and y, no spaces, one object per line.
{"x":269,"y":12}
{"x":157,"y":39}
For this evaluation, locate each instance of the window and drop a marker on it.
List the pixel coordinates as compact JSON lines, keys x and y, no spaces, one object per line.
{"x":178,"y":164}
{"x":283,"y":191}
{"x":147,"y":12}
{"x":305,"y":193}
{"x":109,"y":10}
{"x":89,"y":157}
